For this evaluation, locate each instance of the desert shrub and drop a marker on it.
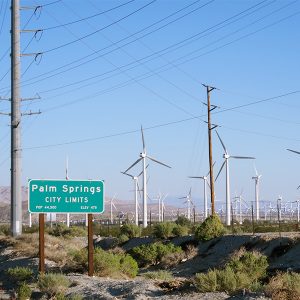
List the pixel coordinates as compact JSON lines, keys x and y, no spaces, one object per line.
{"x":148,"y":231}
{"x":123,"y":238}
{"x":183,"y":221}
{"x":172,"y":259}
{"x":206,"y":282}
{"x":284,"y":286}
{"x":159,"y":275}
{"x":211,"y":228}
{"x":190,"y":251}
{"x":53,"y":284}
{"x":244,"y":261}
{"x":128,"y":266}
{"x":19,"y":274}
{"x":34,"y":228}
{"x":24,"y":291}
{"x":152,"y":254}
{"x":107,"y":263}
{"x":180,"y":230}
{"x":243,"y":271}
{"x":163,"y":230}
{"x":4,"y":229}
{"x":62,"y":230}
{"x":131,"y":230}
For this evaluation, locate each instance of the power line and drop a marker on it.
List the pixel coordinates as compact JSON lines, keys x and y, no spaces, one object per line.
{"x":173,"y":123}
{"x":142,"y":77}
{"x":149,"y":57}
{"x":102,"y":28}
{"x":89,"y":17}
{"x":104,"y":48}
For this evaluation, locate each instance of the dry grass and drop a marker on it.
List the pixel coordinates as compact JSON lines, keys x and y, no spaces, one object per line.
{"x":284,"y":286}
{"x":56,"y":249}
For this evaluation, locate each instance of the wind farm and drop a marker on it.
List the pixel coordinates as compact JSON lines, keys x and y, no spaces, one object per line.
{"x":149,"y":149}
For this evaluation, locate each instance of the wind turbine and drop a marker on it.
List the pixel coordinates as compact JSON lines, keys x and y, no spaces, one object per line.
{"x":163,"y":207}
{"x":136,"y":189}
{"x":256,"y":180}
{"x":188,"y":201}
{"x":205,"y":182}
{"x":112,"y":205}
{"x":226,"y":156}
{"x":143,"y":157}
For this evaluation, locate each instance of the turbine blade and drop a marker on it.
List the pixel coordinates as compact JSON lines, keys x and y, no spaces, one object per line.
{"x":298,"y":187}
{"x":127,"y":174}
{"x":139,"y":190}
{"x":255,"y":170}
{"x":209,"y":171}
{"x":243,"y":157}
{"x":182,"y":197}
{"x":220,"y":170}
{"x":221,"y":142}
{"x":143,"y":171}
{"x":153,"y":159}
{"x":133,"y":164}
{"x":201,"y":177}
{"x":293,"y":151}
{"x":114,"y":206}
{"x":144,"y":146}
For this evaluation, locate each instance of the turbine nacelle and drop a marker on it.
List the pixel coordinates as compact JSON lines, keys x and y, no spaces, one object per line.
{"x":143,"y":155}
{"x":226,"y":156}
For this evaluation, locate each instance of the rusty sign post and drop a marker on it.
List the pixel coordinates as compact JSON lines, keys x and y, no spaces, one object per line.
{"x":65,"y":196}
{"x":41,"y":243}
{"x":90,"y":246}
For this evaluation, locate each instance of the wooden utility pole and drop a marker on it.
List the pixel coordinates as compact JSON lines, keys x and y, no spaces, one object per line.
{"x":210,"y":128}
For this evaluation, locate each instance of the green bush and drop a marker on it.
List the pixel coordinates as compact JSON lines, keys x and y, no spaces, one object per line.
{"x":206,"y":282}
{"x":107,"y":263}
{"x":62,"y":230}
{"x":183,"y":221}
{"x":148,"y":231}
{"x":131,"y":230}
{"x":243,"y":271}
{"x":153,"y":253}
{"x":19,"y":274}
{"x":24,"y":291}
{"x":159,"y":275}
{"x":53,"y":284}
{"x":4,"y":230}
{"x":180,"y":230}
{"x":123,"y":238}
{"x":244,"y":261}
{"x":163,"y":230}
{"x":211,"y":228}
{"x":284,"y":286}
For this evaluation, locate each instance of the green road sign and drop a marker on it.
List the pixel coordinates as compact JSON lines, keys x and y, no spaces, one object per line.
{"x":65,"y":196}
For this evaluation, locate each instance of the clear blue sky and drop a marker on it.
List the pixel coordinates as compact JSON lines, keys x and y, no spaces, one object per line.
{"x":147,"y":60}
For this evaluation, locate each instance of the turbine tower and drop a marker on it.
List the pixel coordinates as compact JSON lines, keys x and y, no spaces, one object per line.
{"x":226,"y":156}
{"x":143,"y":157}
{"x":136,"y":190}
{"x":112,"y":205}
{"x":188,"y":201}
{"x":256,"y":180}
{"x":205,"y":182}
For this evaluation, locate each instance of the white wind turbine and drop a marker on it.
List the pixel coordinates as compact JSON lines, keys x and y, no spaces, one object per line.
{"x":188,"y":201}
{"x":205,"y":183}
{"x":226,"y":162}
{"x":256,"y":180}
{"x":136,"y":190}
{"x":112,"y":205}
{"x":163,"y":207}
{"x":143,"y":157}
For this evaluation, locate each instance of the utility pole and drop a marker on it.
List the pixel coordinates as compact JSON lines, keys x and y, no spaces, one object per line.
{"x":210,"y":128}
{"x":15,"y":123}
{"x":16,"y":193}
